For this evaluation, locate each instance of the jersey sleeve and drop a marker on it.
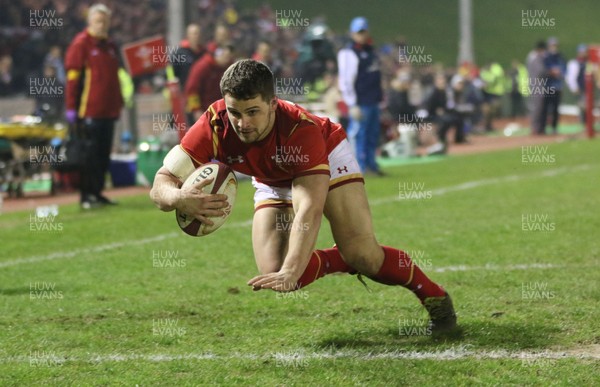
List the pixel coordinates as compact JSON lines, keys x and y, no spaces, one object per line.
{"x":305,"y":153}
{"x":74,"y":64}
{"x":201,"y":141}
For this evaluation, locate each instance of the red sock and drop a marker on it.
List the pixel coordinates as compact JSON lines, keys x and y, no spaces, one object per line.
{"x":323,"y":262}
{"x":399,"y":269}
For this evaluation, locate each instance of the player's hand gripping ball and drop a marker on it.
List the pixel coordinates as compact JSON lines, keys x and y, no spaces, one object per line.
{"x":224,"y":182}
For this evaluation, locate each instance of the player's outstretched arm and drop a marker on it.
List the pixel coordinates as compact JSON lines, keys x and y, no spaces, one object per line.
{"x":308,"y":198}
{"x":165,"y":190}
{"x":168,"y":196}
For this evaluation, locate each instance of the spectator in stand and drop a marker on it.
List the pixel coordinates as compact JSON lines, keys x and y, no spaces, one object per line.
{"x":401,"y":115}
{"x":465,"y":97}
{"x":398,"y":103}
{"x":473,"y":86}
{"x":203,"y":84}
{"x":7,"y":86}
{"x":221,"y":38}
{"x":93,"y":99}
{"x":264,"y":53}
{"x":316,"y":55}
{"x":49,"y":104}
{"x":556,"y":67}
{"x":441,"y":109}
{"x":575,"y":77}
{"x":360,"y":84}
{"x":536,"y":71}
{"x":493,"y":77}
{"x":189,"y":51}
{"x":18,"y":38}
{"x":54,"y":59}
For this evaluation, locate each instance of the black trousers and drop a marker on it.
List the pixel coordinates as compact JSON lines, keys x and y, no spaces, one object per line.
{"x":446,"y":122}
{"x":99,"y":132}
{"x":516,"y":105}
{"x":551,"y":102}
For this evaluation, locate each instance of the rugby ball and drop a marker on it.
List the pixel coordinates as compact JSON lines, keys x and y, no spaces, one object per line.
{"x":224,"y":182}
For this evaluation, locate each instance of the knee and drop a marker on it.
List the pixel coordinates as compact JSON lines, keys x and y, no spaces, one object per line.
{"x":366,"y":258}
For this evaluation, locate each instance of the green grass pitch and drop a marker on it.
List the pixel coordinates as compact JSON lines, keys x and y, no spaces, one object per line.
{"x":120,"y":296}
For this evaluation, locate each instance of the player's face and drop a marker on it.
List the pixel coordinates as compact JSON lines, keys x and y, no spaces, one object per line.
{"x":252,"y":119}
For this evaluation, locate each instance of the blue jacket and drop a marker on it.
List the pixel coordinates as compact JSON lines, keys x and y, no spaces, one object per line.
{"x":359,"y":75}
{"x":552,"y":61}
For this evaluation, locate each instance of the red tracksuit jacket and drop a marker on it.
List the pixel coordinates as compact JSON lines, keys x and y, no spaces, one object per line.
{"x":202,"y":86}
{"x":93,"y":88}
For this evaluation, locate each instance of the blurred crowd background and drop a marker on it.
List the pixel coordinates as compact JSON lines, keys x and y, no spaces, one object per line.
{"x":475,"y":93}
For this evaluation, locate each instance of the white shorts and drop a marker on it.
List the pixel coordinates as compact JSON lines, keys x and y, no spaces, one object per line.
{"x":343,"y":168}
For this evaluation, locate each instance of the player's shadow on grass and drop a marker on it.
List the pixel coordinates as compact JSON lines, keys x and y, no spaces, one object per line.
{"x":15,"y":291}
{"x":486,"y":334}
{"x":511,"y":335}
{"x":393,"y":338}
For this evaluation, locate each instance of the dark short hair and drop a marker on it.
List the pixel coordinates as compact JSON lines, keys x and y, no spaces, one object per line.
{"x":541,"y":45}
{"x":246,"y":79}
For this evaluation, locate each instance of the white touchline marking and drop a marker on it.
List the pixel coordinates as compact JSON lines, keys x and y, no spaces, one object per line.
{"x":109,"y":246}
{"x":492,"y":267}
{"x":479,"y":183}
{"x":454,"y":353}
{"x":248,"y":223}
{"x":80,"y":252}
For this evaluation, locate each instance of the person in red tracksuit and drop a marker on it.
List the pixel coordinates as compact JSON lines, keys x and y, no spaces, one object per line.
{"x":93,"y":99}
{"x":202,"y":86}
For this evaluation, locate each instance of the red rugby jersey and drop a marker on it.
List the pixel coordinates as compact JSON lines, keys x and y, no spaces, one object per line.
{"x":297,"y":146}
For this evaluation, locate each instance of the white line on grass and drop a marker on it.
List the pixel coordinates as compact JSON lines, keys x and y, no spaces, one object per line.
{"x":248,"y":223}
{"x":100,"y":248}
{"x":483,"y":182}
{"x":492,"y":267}
{"x":287,"y":356}
{"x":86,"y":251}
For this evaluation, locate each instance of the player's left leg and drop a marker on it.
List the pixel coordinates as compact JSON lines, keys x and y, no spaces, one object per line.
{"x":348,"y":212}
